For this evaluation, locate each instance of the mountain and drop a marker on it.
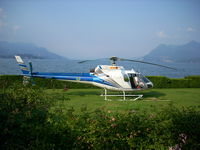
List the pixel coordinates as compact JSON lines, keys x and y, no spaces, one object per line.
{"x":189,"y":52}
{"x":26,"y":50}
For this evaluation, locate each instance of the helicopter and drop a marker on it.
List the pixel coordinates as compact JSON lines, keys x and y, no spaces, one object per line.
{"x":109,"y":77}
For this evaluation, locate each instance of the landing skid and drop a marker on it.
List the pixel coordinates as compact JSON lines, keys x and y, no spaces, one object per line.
{"x":124,"y":96}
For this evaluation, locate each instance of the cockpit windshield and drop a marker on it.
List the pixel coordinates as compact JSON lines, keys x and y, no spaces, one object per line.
{"x":143,"y":78}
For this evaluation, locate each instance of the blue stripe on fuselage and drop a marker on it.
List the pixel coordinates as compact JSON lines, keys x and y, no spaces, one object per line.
{"x":101,"y":81}
{"x":72,"y":76}
{"x":64,"y":74}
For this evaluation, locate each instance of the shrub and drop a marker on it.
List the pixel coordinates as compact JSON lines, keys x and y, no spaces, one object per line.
{"x":138,"y":130}
{"x":27,"y":123}
{"x":23,"y":113}
{"x":8,"y":80}
{"x":25,"y":120}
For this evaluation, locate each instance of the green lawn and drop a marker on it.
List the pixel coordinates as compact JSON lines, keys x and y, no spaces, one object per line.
{"x":152,"y":101}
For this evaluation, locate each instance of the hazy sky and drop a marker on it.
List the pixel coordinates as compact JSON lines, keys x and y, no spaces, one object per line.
{"x":100,"y":28}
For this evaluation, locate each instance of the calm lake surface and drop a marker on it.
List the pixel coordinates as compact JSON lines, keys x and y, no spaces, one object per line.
{"x":10,"y":66}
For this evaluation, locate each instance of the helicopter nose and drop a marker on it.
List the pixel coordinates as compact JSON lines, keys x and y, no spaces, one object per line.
{"x":149,"y":85}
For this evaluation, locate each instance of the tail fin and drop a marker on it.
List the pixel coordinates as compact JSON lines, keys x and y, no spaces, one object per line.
{"x":22,"y":65}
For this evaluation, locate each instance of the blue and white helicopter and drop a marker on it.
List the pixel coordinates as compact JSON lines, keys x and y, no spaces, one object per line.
{"x":108,"y":77}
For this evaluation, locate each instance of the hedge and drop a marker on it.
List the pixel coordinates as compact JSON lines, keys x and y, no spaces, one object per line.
{"x":158,"y":81}
{"x":26,"y":123}
{"x":7,"y":80}
{"x":194,"y":81}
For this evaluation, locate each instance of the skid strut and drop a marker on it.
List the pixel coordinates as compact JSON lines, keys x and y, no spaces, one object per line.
{"x":124,"y":96}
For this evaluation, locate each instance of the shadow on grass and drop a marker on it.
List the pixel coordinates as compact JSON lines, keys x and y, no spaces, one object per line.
{"x":146,"y":94}
{"x":84,"y":93}
{"x":152,"y":94}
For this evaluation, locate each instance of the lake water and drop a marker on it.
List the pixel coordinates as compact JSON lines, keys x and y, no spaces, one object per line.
{"x":10,"y":66}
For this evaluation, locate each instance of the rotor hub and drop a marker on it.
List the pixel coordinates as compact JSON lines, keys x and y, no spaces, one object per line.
{"x":114,"y":59}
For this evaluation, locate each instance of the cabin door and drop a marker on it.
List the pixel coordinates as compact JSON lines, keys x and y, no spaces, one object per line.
{"x":132,"y":80}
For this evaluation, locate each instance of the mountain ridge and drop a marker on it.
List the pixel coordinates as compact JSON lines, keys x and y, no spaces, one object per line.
{"x":26,"y":50}
{"x":189,"y":52}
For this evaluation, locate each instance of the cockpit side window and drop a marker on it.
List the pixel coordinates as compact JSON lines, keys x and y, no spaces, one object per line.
{"x":126,"y":78}
{"x":132,"y":75}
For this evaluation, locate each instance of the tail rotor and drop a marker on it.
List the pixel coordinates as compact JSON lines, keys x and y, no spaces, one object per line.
{"x":31,"y":73}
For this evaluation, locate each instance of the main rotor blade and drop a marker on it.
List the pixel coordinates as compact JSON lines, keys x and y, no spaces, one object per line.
{"x":80,"y":62}
{"x":122,"y":59}
{"x":144,"y":62}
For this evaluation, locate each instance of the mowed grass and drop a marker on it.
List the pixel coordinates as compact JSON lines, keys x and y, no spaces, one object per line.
{"x":79,"y":100}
